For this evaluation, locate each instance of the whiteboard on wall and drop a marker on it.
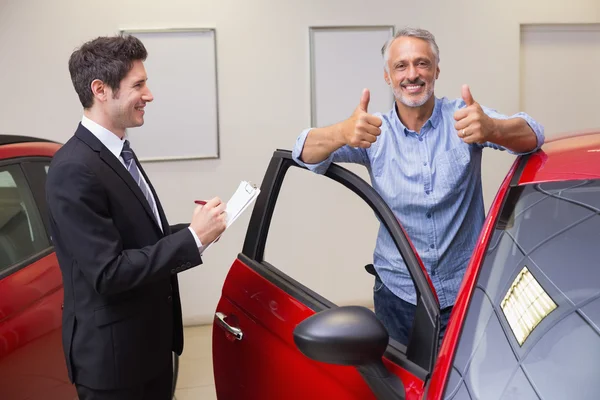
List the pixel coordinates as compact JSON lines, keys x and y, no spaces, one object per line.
{"x":343,"y":61}
{"x":182,"y":122}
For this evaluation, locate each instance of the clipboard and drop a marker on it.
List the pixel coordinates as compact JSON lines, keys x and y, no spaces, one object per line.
{"x":245,"y":195}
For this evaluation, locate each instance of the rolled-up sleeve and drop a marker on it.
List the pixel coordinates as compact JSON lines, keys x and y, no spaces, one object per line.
{"x":537,"y":128}
{"x":343,"y":154}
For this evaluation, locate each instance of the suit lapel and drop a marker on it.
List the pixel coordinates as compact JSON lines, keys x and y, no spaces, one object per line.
{"x":109,"y":158}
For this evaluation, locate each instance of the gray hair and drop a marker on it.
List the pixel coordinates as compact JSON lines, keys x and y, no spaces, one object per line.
{"x":411,"y":32}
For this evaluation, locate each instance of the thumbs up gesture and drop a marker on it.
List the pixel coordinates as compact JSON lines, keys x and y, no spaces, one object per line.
{"x":472,"y":124}
{"x":362,"y":128}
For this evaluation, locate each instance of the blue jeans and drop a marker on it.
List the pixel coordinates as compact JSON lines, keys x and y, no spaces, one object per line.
{"x":397,"y":315}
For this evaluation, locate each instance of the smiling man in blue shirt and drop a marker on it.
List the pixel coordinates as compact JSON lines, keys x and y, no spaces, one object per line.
{"x":424,"y":159}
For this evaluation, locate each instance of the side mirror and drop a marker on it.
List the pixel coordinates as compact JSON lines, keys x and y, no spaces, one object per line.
{"x":350,"y":335}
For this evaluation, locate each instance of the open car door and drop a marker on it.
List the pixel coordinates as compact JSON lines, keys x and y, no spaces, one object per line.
{"x":255,"y":355}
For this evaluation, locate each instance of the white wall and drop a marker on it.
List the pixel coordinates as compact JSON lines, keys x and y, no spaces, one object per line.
{"x":263,"y":84}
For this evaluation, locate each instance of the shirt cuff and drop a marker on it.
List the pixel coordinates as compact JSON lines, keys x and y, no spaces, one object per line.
{"x":197,"y":239}
{"x":537,"y":128}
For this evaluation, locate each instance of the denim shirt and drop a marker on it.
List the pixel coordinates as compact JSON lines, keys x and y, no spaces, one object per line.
{"x":432,"y":182}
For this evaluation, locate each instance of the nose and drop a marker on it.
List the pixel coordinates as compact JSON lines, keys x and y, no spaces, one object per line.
{"x":147,"y":96}
{"x":412,"y":73}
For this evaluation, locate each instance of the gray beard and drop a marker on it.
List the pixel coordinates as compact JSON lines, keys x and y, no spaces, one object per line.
{"x":412,"y":103}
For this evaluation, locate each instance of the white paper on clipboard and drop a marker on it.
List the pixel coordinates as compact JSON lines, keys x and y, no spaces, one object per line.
{"x":245,"y":195}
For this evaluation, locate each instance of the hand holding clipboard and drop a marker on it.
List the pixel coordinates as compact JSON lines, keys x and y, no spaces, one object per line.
{"x":245,"y":194}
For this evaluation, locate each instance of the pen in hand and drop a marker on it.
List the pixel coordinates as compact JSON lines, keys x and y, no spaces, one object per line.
{"x":203,"y":203}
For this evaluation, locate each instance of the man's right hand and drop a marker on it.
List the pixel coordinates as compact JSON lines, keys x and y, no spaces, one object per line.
{"x":209,"y":220}
{"x":362,"y":128}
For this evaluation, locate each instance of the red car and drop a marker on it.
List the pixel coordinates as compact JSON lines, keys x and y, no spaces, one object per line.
{"x":32,"y":365}
{"x":526,"y":324}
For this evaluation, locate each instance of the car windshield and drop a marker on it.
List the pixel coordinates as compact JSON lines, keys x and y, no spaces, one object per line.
{"x":533,"y":325}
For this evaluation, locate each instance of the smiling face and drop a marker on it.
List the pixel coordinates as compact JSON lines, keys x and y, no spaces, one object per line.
{"x":125,"y":108}
{"x":411,"y":70}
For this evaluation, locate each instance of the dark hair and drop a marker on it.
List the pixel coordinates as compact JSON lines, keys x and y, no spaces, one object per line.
{"x":108,"y":59}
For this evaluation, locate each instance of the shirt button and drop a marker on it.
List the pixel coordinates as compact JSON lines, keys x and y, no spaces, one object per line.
{"x":425,"y":164}
{"x":433,"y":273}
{"x":420,"y":139}
{"x":427,"y":192}
{"x":428,"y":215}
{"x":432,"y":246}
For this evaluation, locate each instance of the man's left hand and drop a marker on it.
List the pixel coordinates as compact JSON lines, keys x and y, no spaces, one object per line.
{"x":472,"y":124}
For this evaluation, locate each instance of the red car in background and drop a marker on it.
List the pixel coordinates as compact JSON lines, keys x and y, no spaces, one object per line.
{"x":526,"y":324}
{"x":32,"y":363}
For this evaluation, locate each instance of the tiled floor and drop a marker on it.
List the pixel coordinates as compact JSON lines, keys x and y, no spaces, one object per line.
{"x":195,"y":380}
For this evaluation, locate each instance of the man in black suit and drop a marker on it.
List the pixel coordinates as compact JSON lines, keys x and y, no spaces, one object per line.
{"x":118,"y":255}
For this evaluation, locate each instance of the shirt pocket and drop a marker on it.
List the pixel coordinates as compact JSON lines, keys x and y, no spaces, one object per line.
{"x":452,"y":169}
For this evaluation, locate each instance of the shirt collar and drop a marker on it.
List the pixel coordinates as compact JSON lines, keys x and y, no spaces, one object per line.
{"x":434,"y":120}
{"x":108,"y":139}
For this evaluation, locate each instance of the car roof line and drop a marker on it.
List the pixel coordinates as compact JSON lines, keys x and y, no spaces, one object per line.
{"x":12,"y":139}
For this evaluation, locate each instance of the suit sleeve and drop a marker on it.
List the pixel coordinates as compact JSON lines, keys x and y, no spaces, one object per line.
{"x":84,"y":227}
{"x":176,"y":228}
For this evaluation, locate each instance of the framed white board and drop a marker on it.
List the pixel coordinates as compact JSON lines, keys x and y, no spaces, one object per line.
{"x":182,"y":122}
{"x":343,"y":61}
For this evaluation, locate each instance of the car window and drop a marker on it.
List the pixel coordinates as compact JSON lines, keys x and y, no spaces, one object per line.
{"x":323,"y":236}
{"x":533,"y":323}
{"x":22,"y":234}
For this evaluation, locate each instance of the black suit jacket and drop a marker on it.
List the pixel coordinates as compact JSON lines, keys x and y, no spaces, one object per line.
{"x":122,"y":313}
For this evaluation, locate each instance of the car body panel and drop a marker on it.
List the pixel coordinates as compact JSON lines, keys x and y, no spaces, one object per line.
{"x":31,"y":358}
{"x":572,"y":158}
{"x":267,"y":320}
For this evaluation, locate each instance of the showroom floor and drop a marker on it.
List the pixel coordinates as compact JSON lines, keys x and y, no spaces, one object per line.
{"x":195,"y":380}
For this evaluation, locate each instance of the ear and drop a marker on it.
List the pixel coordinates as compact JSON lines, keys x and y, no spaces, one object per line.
{"x":437,"y":72}
{"x":99,"y":90}
{"x":386,"y":77}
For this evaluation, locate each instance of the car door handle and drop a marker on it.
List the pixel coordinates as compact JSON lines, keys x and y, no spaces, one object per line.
{"x":236,"y":332}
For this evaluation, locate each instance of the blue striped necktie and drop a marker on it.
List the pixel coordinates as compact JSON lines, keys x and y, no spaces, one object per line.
{"x":128,"y":157}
